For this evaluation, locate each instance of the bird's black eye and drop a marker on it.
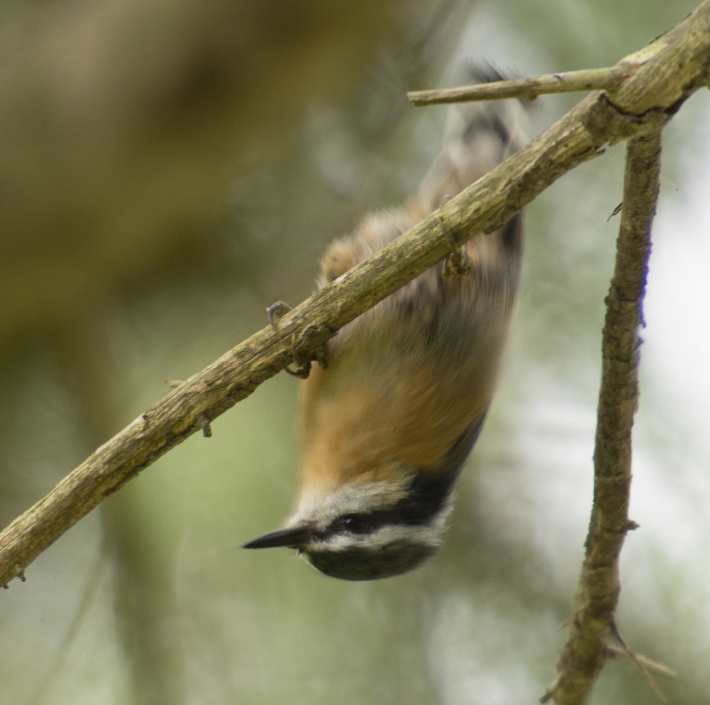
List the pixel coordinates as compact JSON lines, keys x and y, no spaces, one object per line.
{"x":352,"y":523}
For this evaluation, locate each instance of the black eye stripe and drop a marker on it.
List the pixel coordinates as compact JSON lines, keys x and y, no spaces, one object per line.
{"x":353,"y":524}
{"x":370,"y":522}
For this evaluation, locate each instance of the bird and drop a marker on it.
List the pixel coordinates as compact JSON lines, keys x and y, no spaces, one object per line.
{"x":387,"y":425}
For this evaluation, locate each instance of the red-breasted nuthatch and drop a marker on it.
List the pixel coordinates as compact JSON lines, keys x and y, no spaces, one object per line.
{"x":388,"y":425}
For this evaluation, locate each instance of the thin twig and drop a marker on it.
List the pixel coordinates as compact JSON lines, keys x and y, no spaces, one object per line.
{"x":637,"y":662}
{"x":671,"y":70}
{"x":649,"y":664}
{"x":567,"y":82}
{"x":585,"y":652}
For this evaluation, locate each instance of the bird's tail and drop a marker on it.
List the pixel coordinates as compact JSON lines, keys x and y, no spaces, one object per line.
{"x":479,"y":136}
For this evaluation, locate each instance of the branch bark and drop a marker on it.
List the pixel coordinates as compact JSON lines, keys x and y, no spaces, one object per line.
{"x":586,"y":652}
{"x":666,"y":73}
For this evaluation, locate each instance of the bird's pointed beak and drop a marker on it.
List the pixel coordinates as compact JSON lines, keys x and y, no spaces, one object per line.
{"x":293,"y":537}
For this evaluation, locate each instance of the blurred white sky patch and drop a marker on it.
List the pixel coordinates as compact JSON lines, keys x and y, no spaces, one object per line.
{"x":673,"y":427}
{"x":533,"y":488}
{"x":677,"y":337}
{"x":555,"y":450}
{"x":482,"y":649}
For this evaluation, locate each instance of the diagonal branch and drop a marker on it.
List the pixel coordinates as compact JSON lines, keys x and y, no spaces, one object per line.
{"x":585,"y":653}
{"x":667,"y":73}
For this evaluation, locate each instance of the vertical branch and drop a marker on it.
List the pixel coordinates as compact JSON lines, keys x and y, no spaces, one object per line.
{"x":585,"y":653}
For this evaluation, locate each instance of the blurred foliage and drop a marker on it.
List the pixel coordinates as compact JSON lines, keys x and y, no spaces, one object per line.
{"x":172,"y":168}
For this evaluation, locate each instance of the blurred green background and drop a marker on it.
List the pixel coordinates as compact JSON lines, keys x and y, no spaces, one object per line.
{"x":168,"y":170}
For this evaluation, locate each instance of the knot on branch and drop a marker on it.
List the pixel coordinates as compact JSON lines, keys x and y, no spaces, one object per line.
{"x":607,"y":122}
